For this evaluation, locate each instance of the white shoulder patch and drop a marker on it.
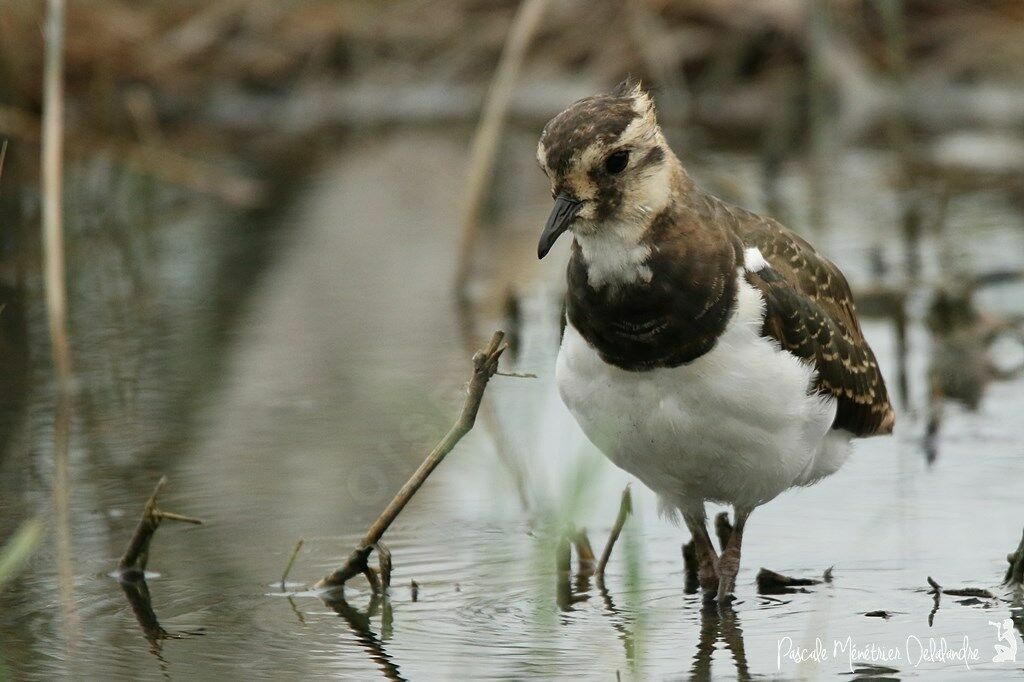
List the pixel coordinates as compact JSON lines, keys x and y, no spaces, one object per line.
{"x":753,"y":260}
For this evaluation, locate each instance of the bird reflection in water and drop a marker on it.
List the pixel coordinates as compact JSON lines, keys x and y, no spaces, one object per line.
{"x":719,"y":623}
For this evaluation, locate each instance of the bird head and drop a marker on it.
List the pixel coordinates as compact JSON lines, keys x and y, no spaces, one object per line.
{"x":608,"y":164}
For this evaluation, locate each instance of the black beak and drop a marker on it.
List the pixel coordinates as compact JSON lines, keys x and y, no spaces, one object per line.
{"x":562,"y":214}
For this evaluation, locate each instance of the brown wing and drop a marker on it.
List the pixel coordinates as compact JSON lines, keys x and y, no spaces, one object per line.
{"x":810,"y":312}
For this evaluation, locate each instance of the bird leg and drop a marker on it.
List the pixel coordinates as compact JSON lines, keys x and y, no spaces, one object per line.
{"x":707,"y":557}
{"x":729,"y":564}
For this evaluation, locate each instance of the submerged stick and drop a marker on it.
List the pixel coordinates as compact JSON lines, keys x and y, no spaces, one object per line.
{"x":136,"y":555}
{"x":977,"y":592}
{"x":485,"y":365}
{"x":625,"y":508}
{"x":770,"y":582}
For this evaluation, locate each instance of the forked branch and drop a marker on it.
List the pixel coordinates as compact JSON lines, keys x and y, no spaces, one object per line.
{"x":133,"y":562}
{"x":485,"y":365}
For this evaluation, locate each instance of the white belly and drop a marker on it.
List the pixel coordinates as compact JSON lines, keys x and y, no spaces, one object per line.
{"x":735,"y":426}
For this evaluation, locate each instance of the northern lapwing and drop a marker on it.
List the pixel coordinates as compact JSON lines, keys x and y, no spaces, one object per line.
{"x":709,"y":351}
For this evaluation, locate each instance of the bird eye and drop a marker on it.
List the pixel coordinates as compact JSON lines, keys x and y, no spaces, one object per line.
{"x":616,"y":161}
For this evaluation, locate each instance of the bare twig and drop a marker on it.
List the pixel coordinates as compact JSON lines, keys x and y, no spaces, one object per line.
{"x":485,"y":364}
{"x":171,"y":516}
{"x":495,"y":427}
{"x":52,"y":189}
{"x":488,"y":132}
{"x":291,"y":562}
{"x":625,"y":508}
{"x":133,"y":562}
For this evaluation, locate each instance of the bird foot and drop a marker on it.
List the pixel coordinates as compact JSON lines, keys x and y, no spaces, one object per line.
{"x":728,"y":568}
{"x":707,"y":576}
{"x":725,"y":590}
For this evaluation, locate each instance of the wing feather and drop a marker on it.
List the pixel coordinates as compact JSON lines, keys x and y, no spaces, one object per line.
{"x":810,"y":312}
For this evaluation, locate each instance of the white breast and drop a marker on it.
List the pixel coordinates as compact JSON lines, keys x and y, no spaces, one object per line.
{"x":735,"y":426}
{"x":615,"y":254}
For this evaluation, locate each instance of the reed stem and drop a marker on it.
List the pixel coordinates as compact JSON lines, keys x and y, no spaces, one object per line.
{"x":52,"y":190}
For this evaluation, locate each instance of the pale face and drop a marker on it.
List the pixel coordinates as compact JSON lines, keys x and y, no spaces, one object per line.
{"x":608,"y":154}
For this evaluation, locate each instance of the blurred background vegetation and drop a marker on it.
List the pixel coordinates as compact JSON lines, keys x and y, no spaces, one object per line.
{"x":195,"y":114}
{"x":236,"y":84}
